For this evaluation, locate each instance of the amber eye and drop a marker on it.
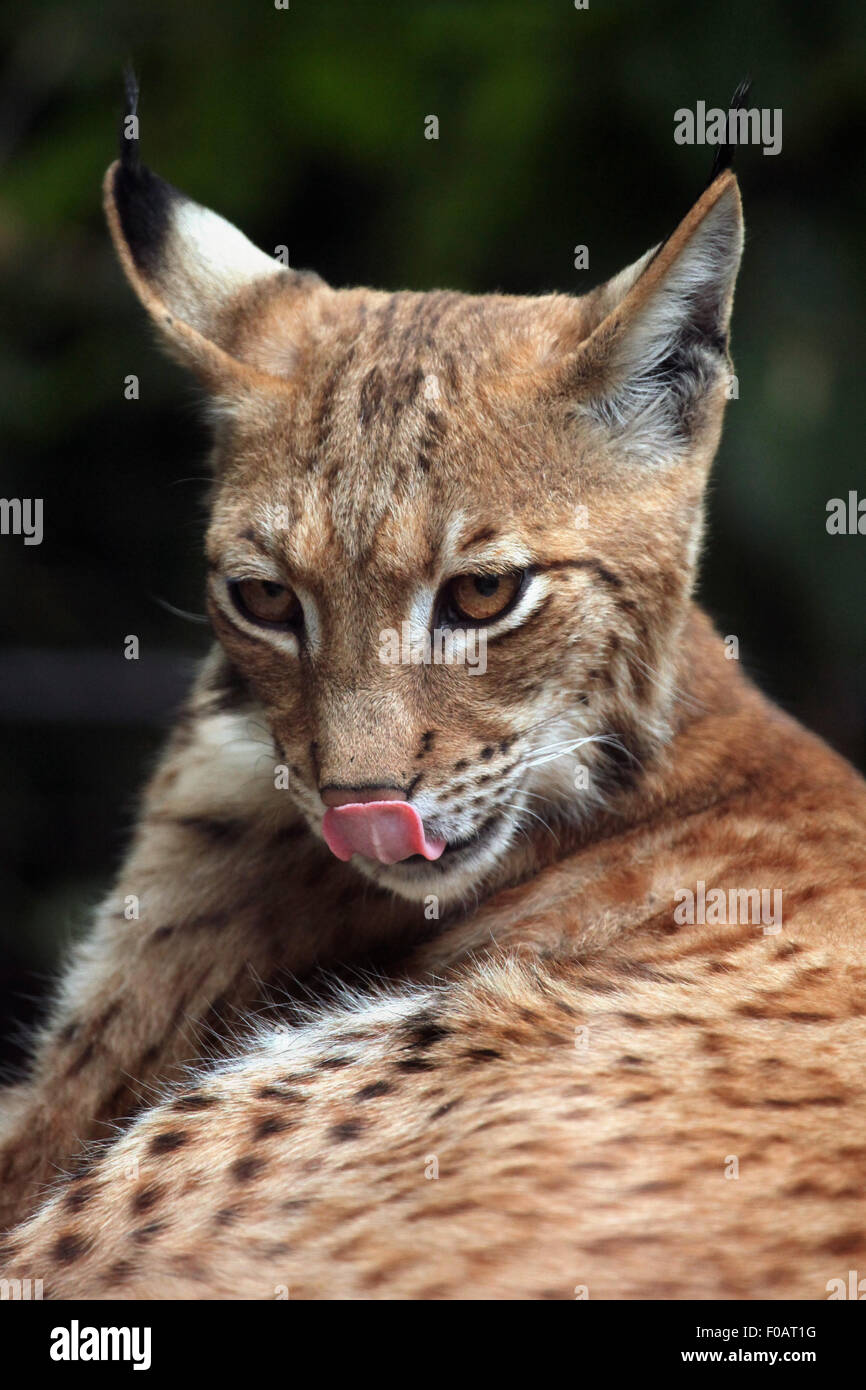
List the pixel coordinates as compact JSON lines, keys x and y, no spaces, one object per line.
{"x":263,"y":601}
{"x":477,"y":598}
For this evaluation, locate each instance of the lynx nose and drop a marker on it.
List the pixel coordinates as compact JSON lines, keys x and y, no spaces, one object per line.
{"x":380,"y":825}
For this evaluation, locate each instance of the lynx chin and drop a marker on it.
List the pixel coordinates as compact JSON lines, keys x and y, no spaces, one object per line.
{"x":247,"y":1086}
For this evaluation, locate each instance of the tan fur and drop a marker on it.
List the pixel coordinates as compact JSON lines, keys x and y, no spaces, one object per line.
{"x":547,"y":1086}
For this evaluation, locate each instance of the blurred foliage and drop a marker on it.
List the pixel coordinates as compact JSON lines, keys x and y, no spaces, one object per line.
{"x":305,"y":126}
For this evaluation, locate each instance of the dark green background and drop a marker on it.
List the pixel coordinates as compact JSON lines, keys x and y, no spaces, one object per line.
{"x":306,"y":126}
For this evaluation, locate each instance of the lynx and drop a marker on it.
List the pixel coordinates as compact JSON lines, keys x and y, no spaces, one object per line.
{"x":406,"y":1010}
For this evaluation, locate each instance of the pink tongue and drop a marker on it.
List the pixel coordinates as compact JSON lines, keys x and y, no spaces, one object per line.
{"x":383,"y":830}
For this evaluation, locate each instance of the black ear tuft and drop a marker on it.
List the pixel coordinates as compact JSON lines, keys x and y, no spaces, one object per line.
{"x":130,"y":154}
{"x":725,"y":153}
{"x":143,"y":200}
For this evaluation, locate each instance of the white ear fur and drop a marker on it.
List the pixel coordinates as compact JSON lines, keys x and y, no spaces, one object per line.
{"x":665,"y":342}
{"x":206,"y":261}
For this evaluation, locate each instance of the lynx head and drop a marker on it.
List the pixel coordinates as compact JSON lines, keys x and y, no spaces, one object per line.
{"x":453,"y":537}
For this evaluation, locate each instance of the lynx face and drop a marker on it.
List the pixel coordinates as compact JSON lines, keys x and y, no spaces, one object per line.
{"x":514,"y":484}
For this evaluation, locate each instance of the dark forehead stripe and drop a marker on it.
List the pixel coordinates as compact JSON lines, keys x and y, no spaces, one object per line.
{"x":386,"y":319}
{"x":487,"y":533}
{"x":587,"y":563}
{"x":322,"y":410}
{"x":411,"y":321}
{"x":371,"y":395}
{"x":402,"y":341}
{"x":403,"y":363}
{"x":431,"y":309}
{"x":258,"y":539}
{"x":405,"y":328}
{"x":406,"y":385}
{"x":432,"y":439}
{"x":451,"y":373}
{"x":375,"y":422}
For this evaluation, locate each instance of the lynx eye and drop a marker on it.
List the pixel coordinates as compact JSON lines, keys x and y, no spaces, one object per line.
{"x":478,"y":598}
{"x":263,"y":601}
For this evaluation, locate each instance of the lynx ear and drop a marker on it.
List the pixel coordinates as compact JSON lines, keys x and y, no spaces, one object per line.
{"x":655,"y":361}
{"x":225,"y":308}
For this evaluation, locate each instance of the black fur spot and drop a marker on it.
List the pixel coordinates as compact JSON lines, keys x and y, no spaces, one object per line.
{"x":375,"y":1088}
{"x":483,"y":1054}
{"x":345,"y":1130}
{"x":425,"y":1032}
{"x":145,"y":1198}
{"x":70,"y":1247}
{"x":145,"y":1234}
{"x":271,"y":1124}
{"x":168,"y":1141}
{"x":196,"y":1100}
{"x":79,"y":1196}
{"x":274,"y":1093}
{"x":246,"y":1169}
{"x":443,"y":1109}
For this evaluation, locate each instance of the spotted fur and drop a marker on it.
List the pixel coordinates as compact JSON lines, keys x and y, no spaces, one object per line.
{"x":511,"y":1072}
